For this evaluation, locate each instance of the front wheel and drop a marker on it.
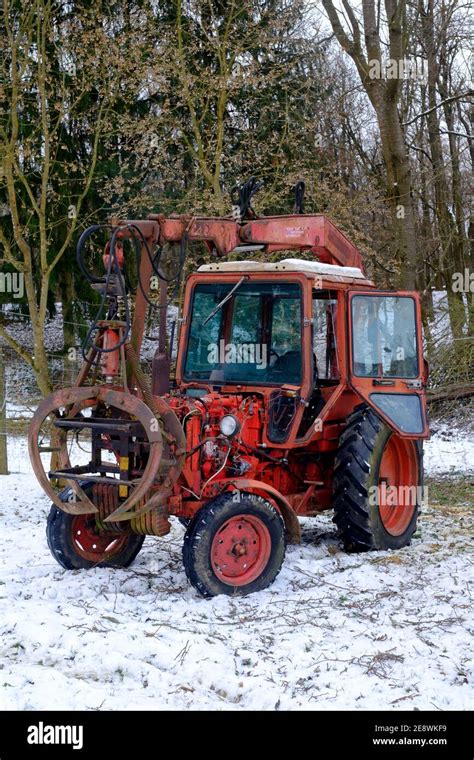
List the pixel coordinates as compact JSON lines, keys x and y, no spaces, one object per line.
{"x":76,"y":543}
{"x":234,"y":547}
{"x":378,"y":478}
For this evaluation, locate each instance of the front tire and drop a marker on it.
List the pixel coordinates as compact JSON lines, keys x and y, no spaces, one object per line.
{"x":234,"y":547}
{"x":75,"y":542}
{"x":378,"y":477}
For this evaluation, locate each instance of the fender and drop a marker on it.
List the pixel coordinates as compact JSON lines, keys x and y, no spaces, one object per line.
{"x":290,"y":519}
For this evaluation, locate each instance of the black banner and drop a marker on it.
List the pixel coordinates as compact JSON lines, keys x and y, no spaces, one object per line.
{"x":124,"y":734}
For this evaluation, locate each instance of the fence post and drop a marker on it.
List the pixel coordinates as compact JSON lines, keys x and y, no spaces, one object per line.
{"x":3,"y":419}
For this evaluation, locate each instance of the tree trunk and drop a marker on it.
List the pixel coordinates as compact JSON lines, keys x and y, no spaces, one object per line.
{"x":447,"y":231}
{"x":399,"y":190}
{"x":41,"y":362}
{"x":67,"y":295}
{"x":384,"y":95}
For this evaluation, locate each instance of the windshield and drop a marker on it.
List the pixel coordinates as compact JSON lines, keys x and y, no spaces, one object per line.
{"x":384,"y":336}
{"x":255,"y":337}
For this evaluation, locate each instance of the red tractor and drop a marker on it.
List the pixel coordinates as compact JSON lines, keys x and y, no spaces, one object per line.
{"x":298,"y":387}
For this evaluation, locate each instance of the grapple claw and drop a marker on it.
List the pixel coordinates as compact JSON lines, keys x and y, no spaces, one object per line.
{"x":75,"y":399}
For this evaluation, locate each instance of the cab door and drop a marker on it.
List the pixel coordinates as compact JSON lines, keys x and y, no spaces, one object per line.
{"x":386,"y":364}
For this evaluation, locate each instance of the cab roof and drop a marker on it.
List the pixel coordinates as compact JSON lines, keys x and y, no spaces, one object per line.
{"x":311,"y":268}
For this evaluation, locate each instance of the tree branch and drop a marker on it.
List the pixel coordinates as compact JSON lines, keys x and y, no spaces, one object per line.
{"x":460,"y":96}
{"x":16,"y":347}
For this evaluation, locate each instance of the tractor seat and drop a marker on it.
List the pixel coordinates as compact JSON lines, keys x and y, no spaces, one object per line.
{"x":288,"y":363}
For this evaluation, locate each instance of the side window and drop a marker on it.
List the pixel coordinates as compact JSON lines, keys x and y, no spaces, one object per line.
{"x":285,"y":342}
{"x":384,"y":336}
{"x":324,"y":335}
{"x":202,"y":336}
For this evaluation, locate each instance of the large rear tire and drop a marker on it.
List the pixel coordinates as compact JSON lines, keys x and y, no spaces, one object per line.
{"x":378,"y":477}
{"x":234,"y":547}
{"x":75,"y":542}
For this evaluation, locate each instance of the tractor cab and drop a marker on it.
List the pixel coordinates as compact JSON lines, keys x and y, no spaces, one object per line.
{"x":281,"y":330}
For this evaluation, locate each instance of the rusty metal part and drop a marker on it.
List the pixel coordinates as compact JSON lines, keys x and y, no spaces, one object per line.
{"x":150,"y":230}
{"x":221,"y":233}
{"x":88,"y":362}
{"x":174,"y":432}
{"x":153,"y":409}
{"x":138,"y":509}
{"x":90,"y":396}
{"x":304,"y":231}
{"x":161,"y":359}
{"x":153,"y":523}
{"x":312,"y":232}
{"x":106,"y":498}
{"x":48,"y":406}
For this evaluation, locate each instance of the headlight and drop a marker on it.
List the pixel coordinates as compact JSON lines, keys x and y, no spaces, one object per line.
{"x":229,"y":425}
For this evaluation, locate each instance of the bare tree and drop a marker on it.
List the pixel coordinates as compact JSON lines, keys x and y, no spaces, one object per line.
{"x":384,"y":95}
{"x":48,"y":70}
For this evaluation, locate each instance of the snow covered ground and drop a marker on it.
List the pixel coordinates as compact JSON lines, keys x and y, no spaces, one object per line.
{"x":449,"y":452}
{"x":388,"y":630}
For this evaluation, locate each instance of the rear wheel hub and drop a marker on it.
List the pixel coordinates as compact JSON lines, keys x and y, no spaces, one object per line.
{"x":92,"y":545}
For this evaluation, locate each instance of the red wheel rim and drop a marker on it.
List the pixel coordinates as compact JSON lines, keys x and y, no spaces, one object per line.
{"x":240,"y":550}
{"x":91,"y":545}
{"x":398,"y":482}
